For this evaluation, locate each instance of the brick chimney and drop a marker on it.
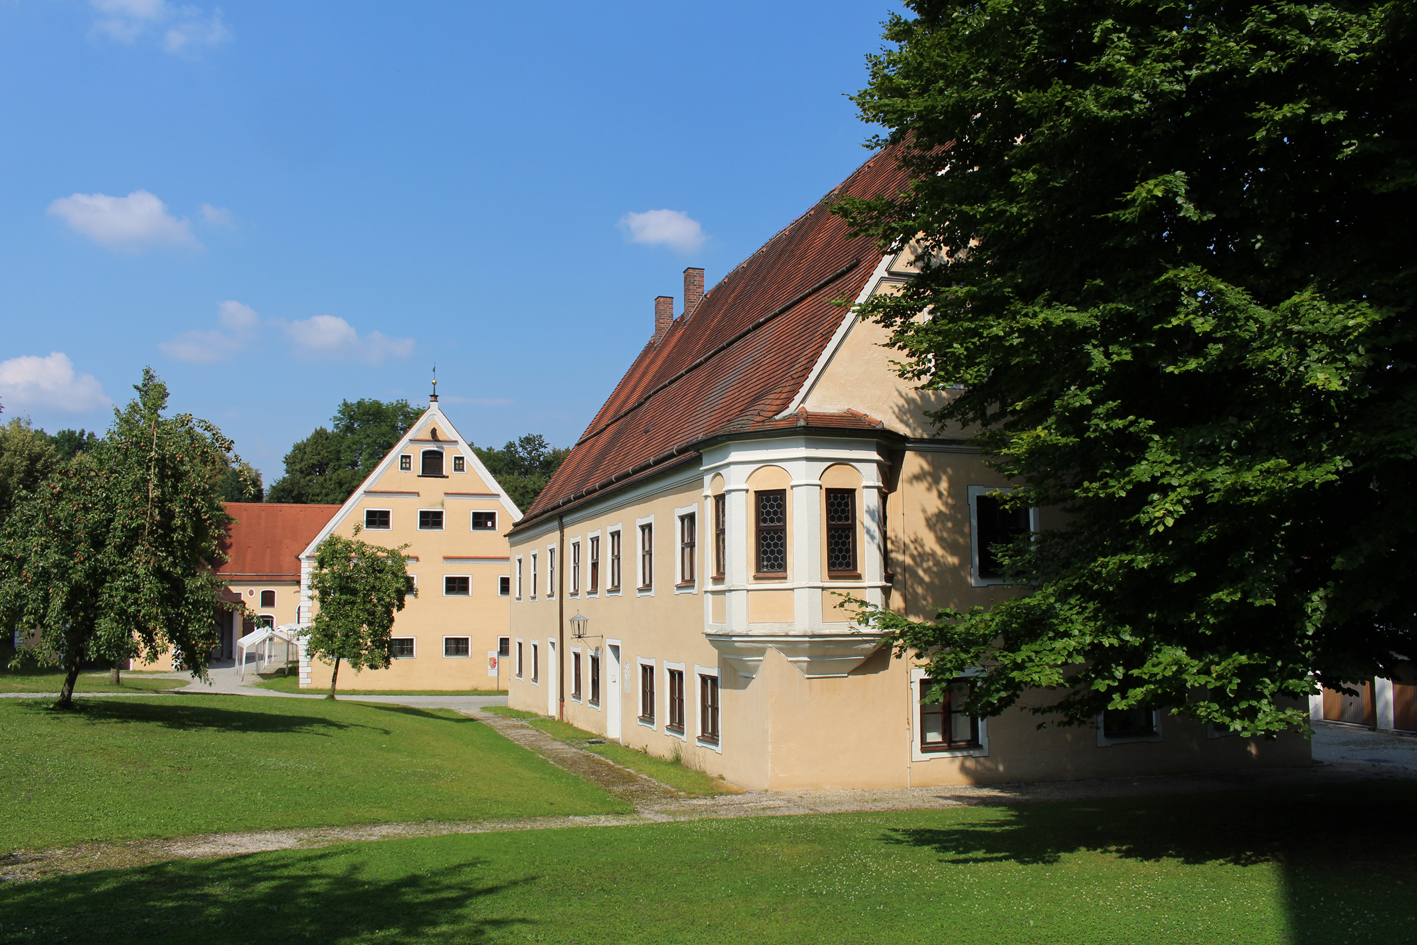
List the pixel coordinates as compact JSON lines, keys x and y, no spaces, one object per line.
{"x":663,"y":315}
{"x":693,"y":290}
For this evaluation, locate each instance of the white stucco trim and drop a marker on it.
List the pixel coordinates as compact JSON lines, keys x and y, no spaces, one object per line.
{"x":640,"y":663}
{"x":699,"y":740}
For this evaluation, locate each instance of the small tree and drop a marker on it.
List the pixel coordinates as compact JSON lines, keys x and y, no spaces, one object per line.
{"x":110,"y":556}
{"x":359,"y":587}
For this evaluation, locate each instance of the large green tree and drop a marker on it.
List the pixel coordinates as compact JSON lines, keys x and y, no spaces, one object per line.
{"x":1166,"y":259}
{"x":109,"y":557}
{"x":524,"y":466}
{"x":26,"y":457}
{"x":331,"y":462}
{"x":358,"y":588}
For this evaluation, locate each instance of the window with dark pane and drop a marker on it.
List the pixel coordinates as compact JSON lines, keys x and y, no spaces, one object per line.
{"x":614,"y":561}
{"x":432,"y":464}
{"x":268,"y":598}
{"x":406,"y":463}
{"x":504,"y":646}
{"x":688,"y":546}
{"x":575,"y":675}
{"x":720,"y":534}
{"x":457,"y":646}
{"x":646,"y":556}
{"x":772,"y":531}
{"x":594,"y":680}
{"x":646,"y":693}
{"x":484,"y":521}
{"x":1136,"y":722}
{"x":430,"y":519}
{"x":504,"y":585}
{"x":594,"y":585}
{"x":708,"y":708}
{"x":676,"y":701}
{"x":401,"y":647}
{"x":997,"y":526}
{"x":377,"y":518}
{"x":944,"y":726}
{"x":457,"y":585}
{"x":841,"y":530}
{"x":459,"y":464}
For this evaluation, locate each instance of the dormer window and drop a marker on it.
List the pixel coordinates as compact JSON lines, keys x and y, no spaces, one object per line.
{"x":432,"y":463}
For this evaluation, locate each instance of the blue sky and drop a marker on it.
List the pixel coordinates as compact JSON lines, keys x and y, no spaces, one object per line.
{"x":282,"y":205}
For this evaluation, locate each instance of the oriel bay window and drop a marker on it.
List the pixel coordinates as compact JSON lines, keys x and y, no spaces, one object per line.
{"x":720,"y":534}
{"x":772,"y":531}
{"x":687,"y":547}
{"x":944,"y":725}
{"x":676,"y":701}
{"x":841,"y":532}
{"x":708,"y":708}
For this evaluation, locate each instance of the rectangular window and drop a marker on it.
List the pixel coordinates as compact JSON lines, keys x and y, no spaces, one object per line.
{"x":484,"y":521}
{"x":401,"y":648}
{"x":676,"y":701}
{"x":377,"y":518}
{"x":459,"y":464}
{"x":535,"y":665}
{"x":943,"y":724}
{"x":504,"y":646}
{"x":550,"y":572}
{"x":457,"y":646}
{"x":841,"y":530}
{"x":533,"y":577}
{"x":410,"y":583}
{"x":1136,"y":722}
{"x":720,"y":534}
{"x":646,"y":557}
{"x":772,"y":531}
{"x":614,"y":561}
{"x":688,"y":526}
{"x":994,"y":527}
{"x":647,"y":693}
{"x":575,"y":675}
{"x":457,"y":585}
{"x":594,"y":680}
{"x":593,"y":586}
{"x":708,"y":708}
{"x":519,"y":659}
{"x":432,"y":463}
{"x":575,"y":567}
{"x":430,"y":519}
{"x":406,"y":463}
{"x":268,"y":598}
{"x":504,"y":585}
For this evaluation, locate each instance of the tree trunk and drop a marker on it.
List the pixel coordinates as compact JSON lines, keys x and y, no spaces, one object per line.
{"x":66,"y":694}
{"x":333,"y":677}
{"x":115,"y":675}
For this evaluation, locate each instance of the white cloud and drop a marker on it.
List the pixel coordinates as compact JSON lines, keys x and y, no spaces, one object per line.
{"x":128,"y":224}
{"x":51,"y":383}
{"x":215,"y":216}
{"x":672,"y":228}
{"x":239,"y":326}
{"x":185,"y":29}
{"x":332,"y":337}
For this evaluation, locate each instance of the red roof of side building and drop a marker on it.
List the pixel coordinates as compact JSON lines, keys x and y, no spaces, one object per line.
{"x":739,"y":358}
{"x":265,"y":541}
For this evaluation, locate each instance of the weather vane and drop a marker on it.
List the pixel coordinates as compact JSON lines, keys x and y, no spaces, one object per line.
{"x":434,"y":398}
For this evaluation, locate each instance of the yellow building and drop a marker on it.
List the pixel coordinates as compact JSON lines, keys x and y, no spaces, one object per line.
{"x":676,"y":586}
{"x":432,"y":493}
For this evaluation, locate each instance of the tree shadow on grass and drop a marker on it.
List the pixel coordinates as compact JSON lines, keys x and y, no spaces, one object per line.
{"x":434,"y":715}
{"x":190,"y":715}
{"x":329,"y":896}
{"x":1347,"y":854}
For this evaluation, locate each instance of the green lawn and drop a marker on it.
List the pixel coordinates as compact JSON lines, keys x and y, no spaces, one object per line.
{"x":664,"y":770}
{"x":31,"y":679}
{"x":118,"y":769}
{"x":292,"y":684}
{"x":1251,"y":868}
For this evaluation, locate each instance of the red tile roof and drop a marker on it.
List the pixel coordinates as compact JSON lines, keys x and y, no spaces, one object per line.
{"x":737,"y":361}
{"x":265,"y":541}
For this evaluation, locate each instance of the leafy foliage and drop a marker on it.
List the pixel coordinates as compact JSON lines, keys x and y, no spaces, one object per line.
{"x":26,"y":457}
{"x":108,"y":558}
{"x":330,"y":464}
{"x":70,"y":442}
{"x":1160,"y":253}
{"x":241,"y":483}
{"x":524,"y":466}
{"x":358,"y":587}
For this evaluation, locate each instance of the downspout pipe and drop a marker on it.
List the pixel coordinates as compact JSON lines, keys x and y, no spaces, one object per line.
{"x":561,"y":617}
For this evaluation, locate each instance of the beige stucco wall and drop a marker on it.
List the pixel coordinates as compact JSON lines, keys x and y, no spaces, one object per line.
{"x":455,"y":550}
{"x":287,"y":601}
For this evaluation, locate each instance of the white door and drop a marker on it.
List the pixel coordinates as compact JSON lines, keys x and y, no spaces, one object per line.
{"x":551,"y":669}
{"x":612,"y":690}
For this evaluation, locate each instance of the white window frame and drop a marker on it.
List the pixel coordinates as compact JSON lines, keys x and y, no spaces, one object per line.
{"x":405,"y":458}
{"x":260,"y":597}
{"x":415,"y":648}
{"x":643,"y":587}
{"x":369,"y":528}
{"x":500,"y":579}
{"x":1104,"y":742}
{"x":917,"y":675}
{"x":473,"y":528}
{"x":444,"y":463}
{"x":616,"y":529}
{"x":974,"y":493}
{"x":679,"y":515}
{"x":518,"y":589}
{"x":698,"y":709}
{"x":518,"y":656}
{"x":412,"y":577}
{"x":535,"y":664}
{"x":551,"y":557}
{"x":457,"y":636}
{"x":684,"y":735}
{"x":599,"y":584}
{"x":469,"y":585}
{"x":532,"y":595}
{"x":419,"y":521}
{"x":640,"y":663}
{"x":459,"y":460}
{"x":571,"y":673}
{"x":574,"y":566}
